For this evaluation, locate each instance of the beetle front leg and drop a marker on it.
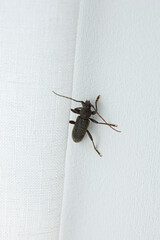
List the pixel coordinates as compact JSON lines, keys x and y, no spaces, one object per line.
{"x":90,"y":136}
{"x":72,"y":122}
{"x":105,"y":123}
{"x":76,"y":110}
{"x":94,"y":112}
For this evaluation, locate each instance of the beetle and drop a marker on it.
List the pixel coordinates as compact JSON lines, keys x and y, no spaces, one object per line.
{"x":82,"y":122}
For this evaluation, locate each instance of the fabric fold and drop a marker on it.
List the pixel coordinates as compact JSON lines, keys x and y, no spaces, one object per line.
{"x":117,"y":52}
{"x":37,"y":55}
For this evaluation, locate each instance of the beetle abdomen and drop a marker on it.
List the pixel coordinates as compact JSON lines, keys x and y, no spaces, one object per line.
{"x":80,"y":129}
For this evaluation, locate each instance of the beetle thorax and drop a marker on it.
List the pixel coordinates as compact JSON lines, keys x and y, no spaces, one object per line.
{"x":85,"y":112}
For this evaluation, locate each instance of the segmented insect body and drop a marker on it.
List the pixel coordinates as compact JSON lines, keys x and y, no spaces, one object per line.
{"x":82,"y":122}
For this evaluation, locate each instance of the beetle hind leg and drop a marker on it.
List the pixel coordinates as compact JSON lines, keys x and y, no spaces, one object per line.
{"x":90,"y":136}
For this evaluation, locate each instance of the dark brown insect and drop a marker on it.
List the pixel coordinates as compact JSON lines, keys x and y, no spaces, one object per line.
{"x":82,"y":122}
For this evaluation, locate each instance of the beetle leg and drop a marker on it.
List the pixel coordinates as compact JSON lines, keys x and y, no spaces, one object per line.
{"x":90,"y":136}
{"x":76,"y":110}
{"x":110,"y":124}
{"x":72,"y":122}
{"x":94,"y":112}
{"x":97,"y":101}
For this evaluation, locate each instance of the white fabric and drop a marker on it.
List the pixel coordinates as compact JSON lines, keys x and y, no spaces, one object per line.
{"x":37,"y":49}
{"x":116,"y":197}
{"x":102,"y":47}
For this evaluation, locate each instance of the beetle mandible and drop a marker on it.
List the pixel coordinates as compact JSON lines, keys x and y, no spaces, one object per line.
{"x":82,"y":122}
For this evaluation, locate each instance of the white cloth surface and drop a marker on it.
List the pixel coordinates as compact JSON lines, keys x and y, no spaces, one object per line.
{"x":116,"y":197}
{"x":113,"y":51}
{"x":37,"y":50}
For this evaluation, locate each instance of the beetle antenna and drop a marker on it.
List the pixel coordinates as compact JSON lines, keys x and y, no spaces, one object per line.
{"x":105,"y":120}
{"x":67,"y":97}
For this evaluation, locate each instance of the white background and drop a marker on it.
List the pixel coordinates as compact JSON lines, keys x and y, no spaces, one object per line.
{"x":37,"y":45}
{"x":110,"y":48}
{"x":116,"y":197}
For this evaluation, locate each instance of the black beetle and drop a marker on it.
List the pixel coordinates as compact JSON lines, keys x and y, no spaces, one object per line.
{"x":82,"y":122}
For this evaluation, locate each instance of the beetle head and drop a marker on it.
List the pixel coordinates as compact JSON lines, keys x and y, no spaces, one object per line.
{"x":86,"y":104}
